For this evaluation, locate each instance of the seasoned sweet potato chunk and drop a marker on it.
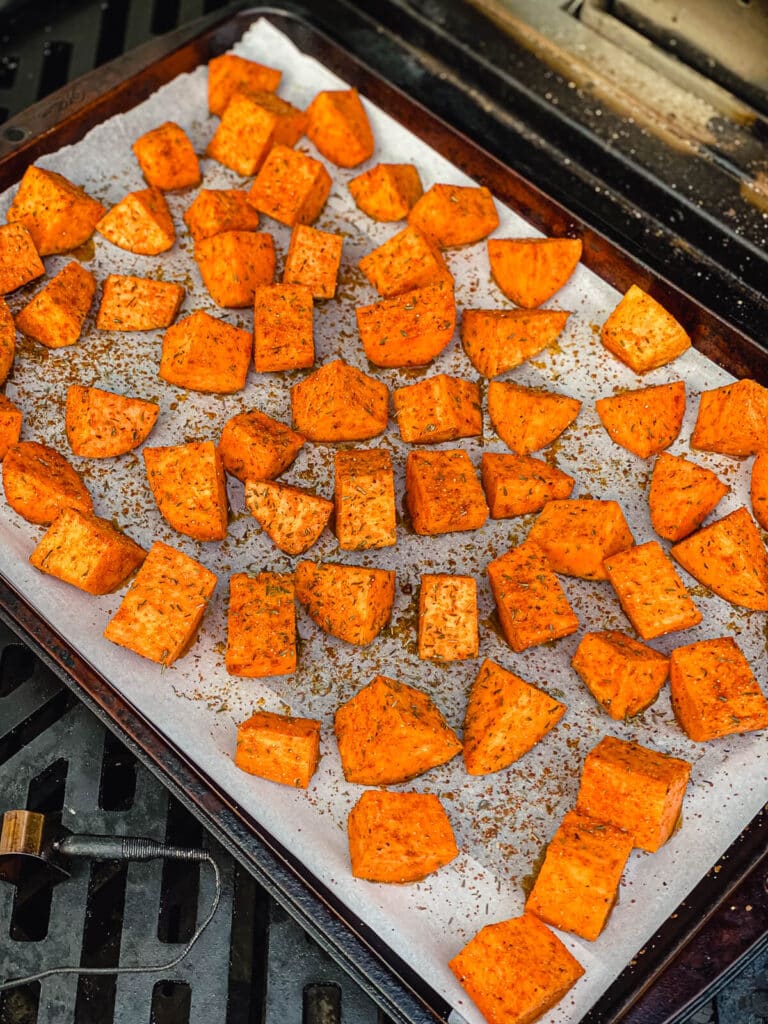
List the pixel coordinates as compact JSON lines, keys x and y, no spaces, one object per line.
{"x":386,"y":192}
{"x":448,"y":620}
{"x":642,"y":334}
{"x":55,"y":316}
{"x":10,"y":425}
{"x":58,"y":214}
{"x":646,"y":421}
{"x":280,"y":748}
{"x":454,"y":215}
{"x":338,"y":125}
{"x":350,"y":602}
{"x":261,"y":625}
{"x":166,"y":157}
{"x":253,"y":446}
{"x":497,"y":340}
{"x":528,"y":419}
{"x":19,"y":259}
{"x":338,"y":402}
{"x":229,"y":73}
{"x":203,"y":353}
{"x":364,"y":499}
{"x":530,"y":270}
{"x":187,"y":481}
{"x":235,"y":264}
{"x":214,"y":210}
{"x":141,"y":222}
{"x":404,"y":262}
{"x":39,"y":483}
{"x":682,"y":495}
{"x":758,"y":490}
{"x":623,"y":675}
{"x":138,"y":304}
{"x":577,"y":535}
{"x":251,"y":124}
{"x":7,"y":341}
{"x":516,"y":485}
{"x":732,"y":419}
{"x":291,"y":517}
{"x":442,"y":492}
{"x":101,"y":424}
{"x":440,"y":408}
{"x":283,"y":330}
{"x":291,"y":187}
{"x":313,"y":260}
{"x":410,"y":329}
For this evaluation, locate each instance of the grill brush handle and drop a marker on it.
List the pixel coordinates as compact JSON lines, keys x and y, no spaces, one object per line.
{"x":124,"y":848}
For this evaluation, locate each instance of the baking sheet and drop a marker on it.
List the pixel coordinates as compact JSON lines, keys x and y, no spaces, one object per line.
{"x":503,"y":821}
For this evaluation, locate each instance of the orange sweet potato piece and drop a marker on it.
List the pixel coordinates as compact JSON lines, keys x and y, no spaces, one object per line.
{"x":758,"y":484}
{"x":578,"y":883}
{"x":56,"y":314}
{"x":410,"y":329}
{"x":440,"y":408}
{"x":454,"y":215}
{"x":532,"y":606}
{"x":442,"y":492}
{"x":386,"y":192}
{"x":732,"y":419}
{"x":203,"y":353}
{"x":261,"y":625}
{"x":399,"y":837}
{"x":644,"y":421}
{"x":291,"y":187}
{"x":635,"y":788}
{"x":577,"y":534}
{"x":214,"y":210}
{"x":251,"y":124}
{"x":283,"y":331}
{"x":187,"y":482}
{"x":229,"y":73}
{"x":497,"y":340}
{"x":530,"y":270}
{"x":101,"y":424}
{"x":642,"y":334}
{"x":364,"y":499}
{"x":160,"y":615}
{"x":338,"y":402}
{"x":141,"y":222}
{"x":291,"y":517}
{"x":516,"y":485}
{"x":729,"y":557}
{"x":59,"y":215}
{"x":448,"y":621}
{"x":313,"y":260}
{"x":682,"y":495}
{"x":7,"y":341}
{"x":516,"y":970}
{"x":166,"y":157}
{"x":404,"y":262}
{"x":528,"y":419}
{"x":714,"y":690}
{"x":253,"y":446}
{"x":390,"y":732}
{"x":39,"y":483}
{"x":234,"y":264}
{"x":138,"y":303}
{"x":623,"y":675}
{"x":280,"y":748}
{"x":505,"y":718}
{"x":10,"y":425}
{"x":339,"y":127}
{"x":88,"y":552}
{"x":19,"y":259}
{"x":350,"y":602}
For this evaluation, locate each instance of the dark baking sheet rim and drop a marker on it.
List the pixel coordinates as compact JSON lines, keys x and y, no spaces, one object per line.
{"x":65,"y":117}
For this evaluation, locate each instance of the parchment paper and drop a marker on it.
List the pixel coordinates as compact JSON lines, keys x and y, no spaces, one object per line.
{"x":502,"y":822}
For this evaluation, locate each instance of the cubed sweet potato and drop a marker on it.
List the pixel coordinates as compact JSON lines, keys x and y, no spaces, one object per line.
{"x":19,"y":259}
{"x":516,"y":485}
{"x":141,"y":222}
{"x":261,"y":625}
{"x":454,"y":215}
{"x":138,"y":303}
{"x":234,"y":264}
{"x":280,"y":748}
{"x":291,"y":517}
{"x":404,"y":262}
{"x":101,"y":424}
{"x":497,"y":340}
{"x":10,"y":425}
{"x":528,"y":419}
{"x":283,"y":328}
{"x":214,"y":210}
{"x":56,"y":314}
{"x":731,"y":419}
{"x":229,"y":73}
{"x":313,"y":260}
{"x":291,"y":187}
{"x":167,"y":158}
{"x":59,"y":215}
{"x":682,"y":495}
{"x":7,"y":340}
{"x":386,"y":192}
{"x":442,"y":492}
{"x":338,"y":125}
{"x":253,"y":446}
{"x":440,"y":408}
{"x":338,"y":402}
{"x":758,"y":491}
{"x":576,"y":535}
{"x":390,"y":732}
{"x":645,"y":421}
{"x":623,"y":675}
{"x":203,"y":353}
{"x":39,"y":483}
{"x":364,"y":499}
{"x":399,"y":837}
{"x":642,"y":334}
{"x":530,"y":270}
{"x":350,"y":602}
{"x":253,"y":122}
{"x":410,"y":329}
{"x":448,"y":620}
{"x":162,"y":611}
{"x":187,"y":482}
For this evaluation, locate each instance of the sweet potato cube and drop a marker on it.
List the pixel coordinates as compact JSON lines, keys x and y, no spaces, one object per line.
{"x":313,"y":260}
{"x":505,"y":718}
{"x":162,"y":611}
{"x":283,"y":331}
{"x":758,"y":491}
{"x":251,"y":124}
{"x":166,"y":157}
{"x":261,"y":625}
{"x":516,"y":485}
{"x":55,"y":316}
{"x":528,"y":419}
{"x":390,"y":732}
{"x":634,"y":788}
{"x":623,"y":675}
{"x":448,"y":621}
{"x":101,"y":424}
{"x":350,"y":602}
{"x":497,"y":340}
{"x":530,"y":270}
{"x":682,"y":495}
{"x":731,"y":419}
{"x":203,"y":353}
{"x":729,"y":557}
{"x":406,"y":261}
{"x":10,"y":425}
{"x":442,"y":492}
{"x":229,"y":74}
{"x":516,"y":970}
{"x":576,"y":535}
{"x":280,"y":748}
{"x":138,"y":303}
{"x":141,"y":222}
{"x":234,"y":264}
{"x":39,"y":483}
{"x":440,"y":408}
{"x":292,"y":518}
{"x":214,"y":210}
{"x":7,"y":340}
{"x":399,"y":837}
{"x":453,"y":215}
{"x":19,"y":259}
{"x":410,"y":329}
{"x":649,"y":590}
{"x":364,"y":499}
{"x":714,"y":690}
{"x":642,"y":334}
{"x":339,"y":127}
{"x":88,"y":552}
{"x":386,"y":192}
{"x":291,"y":187}
{"x":59,"y":216}
{"x":646,"y":421}
{"x":253,"y":446}
{"x":338,"y":402}
{"x":187,"y":482}
{"x":578,"y":883}
{"x":532,"y":606}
